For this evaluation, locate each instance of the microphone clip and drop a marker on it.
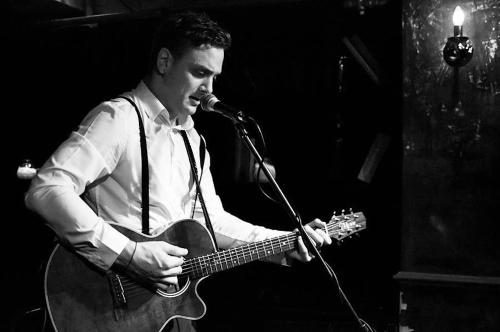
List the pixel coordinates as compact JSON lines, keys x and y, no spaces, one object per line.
{"x":211,"y":103}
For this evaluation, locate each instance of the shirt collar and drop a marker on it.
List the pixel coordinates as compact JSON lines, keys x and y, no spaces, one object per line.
{"x":155,"y":109}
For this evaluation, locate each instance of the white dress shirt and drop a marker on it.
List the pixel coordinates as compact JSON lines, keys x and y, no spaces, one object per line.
{"x":104,"y":157}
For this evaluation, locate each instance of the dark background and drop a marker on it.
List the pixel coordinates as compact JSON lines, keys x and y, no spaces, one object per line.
{"x":429,"y":201}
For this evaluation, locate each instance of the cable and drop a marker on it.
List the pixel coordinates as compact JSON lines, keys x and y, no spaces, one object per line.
{"x":44,"y":322}
{"x":363,"y":324}
{"x":256,"y":175}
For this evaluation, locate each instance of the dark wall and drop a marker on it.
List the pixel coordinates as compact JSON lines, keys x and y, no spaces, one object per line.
{"x":451,"y":141}
{"x":451,"y":187}
{"x":283,"y":70}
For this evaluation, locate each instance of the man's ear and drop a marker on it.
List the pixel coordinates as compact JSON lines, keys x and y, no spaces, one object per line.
{"x":164,"y":61}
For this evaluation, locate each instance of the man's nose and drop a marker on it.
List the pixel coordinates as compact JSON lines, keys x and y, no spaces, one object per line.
{"x":208,"y":85}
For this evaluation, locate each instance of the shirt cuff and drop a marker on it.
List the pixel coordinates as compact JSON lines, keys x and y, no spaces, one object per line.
{"x":113,"y":242}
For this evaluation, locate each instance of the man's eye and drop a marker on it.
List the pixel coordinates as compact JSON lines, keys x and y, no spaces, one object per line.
{"x":201,"y":73}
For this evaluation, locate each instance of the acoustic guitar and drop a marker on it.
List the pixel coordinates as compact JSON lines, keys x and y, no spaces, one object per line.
{"x":80,"y":297}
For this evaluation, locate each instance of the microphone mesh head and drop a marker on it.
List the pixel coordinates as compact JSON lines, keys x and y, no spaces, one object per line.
{"x":207,"y":102}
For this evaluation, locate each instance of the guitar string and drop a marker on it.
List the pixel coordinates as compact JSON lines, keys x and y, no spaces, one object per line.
{"x":252,"y":249}
{"x":207,"y":265}
{"x":233,"y":256}
{"x":201,"y":265}
{"x":236,"y":254}
{"x":134,"y":289}
{"x":275,"y":242}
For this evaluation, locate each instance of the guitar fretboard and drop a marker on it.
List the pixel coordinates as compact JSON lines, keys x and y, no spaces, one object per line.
{"x":198,"y":267}
{"x":222,"y":260}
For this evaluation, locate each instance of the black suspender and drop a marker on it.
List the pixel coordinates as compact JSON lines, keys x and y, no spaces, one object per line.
{"x":145,"y":171}
{"x":194,"y":172}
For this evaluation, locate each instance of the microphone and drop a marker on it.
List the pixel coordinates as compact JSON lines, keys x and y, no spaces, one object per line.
{"x":210,"y":103}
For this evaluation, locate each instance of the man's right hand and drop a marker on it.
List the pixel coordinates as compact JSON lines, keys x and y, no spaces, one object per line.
{"x":155,"y":262}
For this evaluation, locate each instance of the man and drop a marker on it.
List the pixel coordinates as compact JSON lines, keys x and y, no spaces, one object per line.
{"x":103,"y":160}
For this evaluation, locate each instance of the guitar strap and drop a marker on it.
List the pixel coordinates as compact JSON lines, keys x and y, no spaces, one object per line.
{"x":194,"y":172}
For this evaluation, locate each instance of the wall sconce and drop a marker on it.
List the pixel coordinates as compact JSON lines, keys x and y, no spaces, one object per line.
{"x":458,"y":49}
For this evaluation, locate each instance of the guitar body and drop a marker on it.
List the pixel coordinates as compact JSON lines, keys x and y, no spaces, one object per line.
{"x":82,"y":298}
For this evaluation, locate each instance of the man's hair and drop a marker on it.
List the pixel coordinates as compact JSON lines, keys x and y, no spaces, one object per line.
{"x":184,"y":30}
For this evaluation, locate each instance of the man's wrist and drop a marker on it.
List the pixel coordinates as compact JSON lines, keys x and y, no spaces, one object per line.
{"x":125,"y":257}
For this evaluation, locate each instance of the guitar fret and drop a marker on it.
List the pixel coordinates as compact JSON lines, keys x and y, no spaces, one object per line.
{"x":238,"y":257}
{"x":234,"y":258}
{"x":227,"y":260}
{"x":210,"y":266}
{"x":217,"y":262}
{"x":202,"y":266}
{"x":199,"y":268}
{"x":337,"y":228}
{"x":227,"y":266}
{"x":221,"y":262}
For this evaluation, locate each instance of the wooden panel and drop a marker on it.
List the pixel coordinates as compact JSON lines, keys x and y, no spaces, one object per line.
{"x":437,"y":302}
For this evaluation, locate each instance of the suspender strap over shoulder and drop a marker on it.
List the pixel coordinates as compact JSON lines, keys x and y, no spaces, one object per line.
{"x":194,"y":172}
{"x":145,"y":170}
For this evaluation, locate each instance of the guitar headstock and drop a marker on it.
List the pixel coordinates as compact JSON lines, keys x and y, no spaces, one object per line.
{"x":345,"y":225}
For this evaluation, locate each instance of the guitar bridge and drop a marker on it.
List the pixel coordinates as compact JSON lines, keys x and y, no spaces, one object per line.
{"x":118,"y":294}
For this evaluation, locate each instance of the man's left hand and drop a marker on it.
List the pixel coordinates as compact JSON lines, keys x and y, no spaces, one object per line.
{"x":317,"y":232}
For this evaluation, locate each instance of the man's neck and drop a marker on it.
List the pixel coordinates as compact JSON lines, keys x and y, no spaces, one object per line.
{"x":174,"y":119}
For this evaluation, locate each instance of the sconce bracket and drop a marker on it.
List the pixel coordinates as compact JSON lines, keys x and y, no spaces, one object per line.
{"x":458,"y":51}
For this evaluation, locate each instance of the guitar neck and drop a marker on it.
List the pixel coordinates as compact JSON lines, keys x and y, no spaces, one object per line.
{"x":226,"y":259}
{"x":338,"y":228}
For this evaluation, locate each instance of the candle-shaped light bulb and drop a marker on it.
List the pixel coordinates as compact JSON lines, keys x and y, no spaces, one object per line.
{"x":458,"y":21}
{"x":458,"y":16}
{"x":458,"y":49}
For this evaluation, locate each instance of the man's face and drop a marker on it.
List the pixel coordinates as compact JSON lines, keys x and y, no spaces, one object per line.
{"x":188,"y":77}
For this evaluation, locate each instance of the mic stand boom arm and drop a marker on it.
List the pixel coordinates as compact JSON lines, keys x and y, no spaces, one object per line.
{"x":239,"y":121}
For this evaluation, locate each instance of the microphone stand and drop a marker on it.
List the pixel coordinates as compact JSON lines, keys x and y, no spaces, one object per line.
{"x":239,"y":120}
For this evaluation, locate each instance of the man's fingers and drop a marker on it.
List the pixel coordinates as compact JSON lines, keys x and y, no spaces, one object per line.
{"x":320,"y":228}
{"x":174,"y":250}
{"x":303,"y":250}
{"x":325,"y":236}
{"x":168,"y":273}
{"x":317,"y":238}
{"x":317,"y":222}
{"x":164,"y":283}
{"x":169,"y":265}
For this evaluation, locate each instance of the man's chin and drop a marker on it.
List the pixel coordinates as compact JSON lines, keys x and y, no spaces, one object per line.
{"x":191,"y":110}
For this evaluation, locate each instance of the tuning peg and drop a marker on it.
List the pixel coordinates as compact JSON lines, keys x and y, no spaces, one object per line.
{"x":334,"y":216}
